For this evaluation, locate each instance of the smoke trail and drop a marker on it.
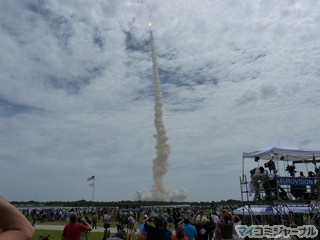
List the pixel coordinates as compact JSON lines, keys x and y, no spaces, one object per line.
{"x":160,"y":163}
{"x":159,"y":191}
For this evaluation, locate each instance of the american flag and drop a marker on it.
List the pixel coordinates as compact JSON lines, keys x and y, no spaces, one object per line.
{"x":90,"y":178}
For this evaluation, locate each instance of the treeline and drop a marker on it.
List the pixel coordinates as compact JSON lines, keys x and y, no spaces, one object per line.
{"x":120,"y":204}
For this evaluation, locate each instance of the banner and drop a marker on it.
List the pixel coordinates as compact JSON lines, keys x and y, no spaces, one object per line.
{"x":297,"y":181}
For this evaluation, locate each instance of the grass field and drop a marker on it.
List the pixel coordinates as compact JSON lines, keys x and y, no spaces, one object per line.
{"x":56,"y":234}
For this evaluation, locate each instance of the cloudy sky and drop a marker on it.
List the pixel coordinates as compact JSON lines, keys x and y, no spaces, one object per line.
{"x":77,"y":96}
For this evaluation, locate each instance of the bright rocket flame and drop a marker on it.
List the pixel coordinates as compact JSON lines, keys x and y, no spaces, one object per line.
{"x":149,"y":24}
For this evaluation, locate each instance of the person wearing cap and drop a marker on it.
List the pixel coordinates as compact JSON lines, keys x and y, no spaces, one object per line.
{"x":73,"y":229}
{"x":13,"y":224}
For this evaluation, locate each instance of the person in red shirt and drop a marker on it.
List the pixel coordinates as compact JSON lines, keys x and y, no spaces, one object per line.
{"x":73,"y":229}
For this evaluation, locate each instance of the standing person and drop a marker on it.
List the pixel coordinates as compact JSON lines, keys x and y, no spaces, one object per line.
{"x":130,"y":221}
{"x":142,"y":234}
{"x":215,"y":217}
{"x":170,"y":221}
{"x":180,"y":234}
{"x":237,"y":221}
{"x":211,"y":224}
{"x":273,"y":184}
{"x":190,"y":230}
{"x":154,"y":232}
{"x":224,"y":228}
{"x":73,"y":229}
{"x":13,"y":223}
{"x":94,"y":219}
{"x":167,"y":233}
{"x":203,"y":229}
{"x":105,"y":217}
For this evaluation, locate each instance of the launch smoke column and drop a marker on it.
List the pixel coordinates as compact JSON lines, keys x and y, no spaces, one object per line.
{"x":159,"y":192}
{"x":160,"y":164}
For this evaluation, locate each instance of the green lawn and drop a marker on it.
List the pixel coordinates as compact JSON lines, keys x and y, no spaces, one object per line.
{"x":56,"y":234}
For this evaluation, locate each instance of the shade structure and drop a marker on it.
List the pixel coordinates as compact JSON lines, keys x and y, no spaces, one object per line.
{"x":283,"y":151}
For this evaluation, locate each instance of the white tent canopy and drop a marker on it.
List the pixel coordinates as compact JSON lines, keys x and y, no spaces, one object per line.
{"x":282,"y":150}
{"x":274,"y":210}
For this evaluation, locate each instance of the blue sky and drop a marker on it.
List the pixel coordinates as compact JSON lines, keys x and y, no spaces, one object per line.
{"x":76,"y":96}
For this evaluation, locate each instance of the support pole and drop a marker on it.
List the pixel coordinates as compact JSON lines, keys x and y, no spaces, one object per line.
{"x":93,"y":191}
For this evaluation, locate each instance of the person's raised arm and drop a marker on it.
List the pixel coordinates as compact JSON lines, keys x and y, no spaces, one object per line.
{"x":84,"y":221}
{"x":13,"y":223}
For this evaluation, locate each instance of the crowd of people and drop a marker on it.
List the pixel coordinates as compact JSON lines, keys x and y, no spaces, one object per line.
{"x":188,"y":225}
{"x":148,"y":223}
{"x":177,"y":223}
{"x":158,"y":223}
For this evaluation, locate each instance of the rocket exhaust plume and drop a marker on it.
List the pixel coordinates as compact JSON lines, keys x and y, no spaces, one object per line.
{"x":159,"y":191}
{"x":160,"y":163}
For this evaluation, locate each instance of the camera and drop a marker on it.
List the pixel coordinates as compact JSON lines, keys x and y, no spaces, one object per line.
{"x":291,"y":169}
{"x":270,"y":165}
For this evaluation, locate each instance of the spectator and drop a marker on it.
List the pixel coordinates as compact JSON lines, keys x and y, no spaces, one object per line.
{"x":237,"y":221}
{"x":170,"y":221}
{"x":106,"y":217}
{"x":180,"y":234}
{"x":94,"y":219}
{"x":142,"y":234}
{"x":13,"y":223}
{"x":154,"y":232}
{"x":73,"y":229}
{"x":203,"y":229}
{"x":190,"y":230}
{"x":130,"y":221}
{"x":211,"y":225}
{"x":167,"y":233}
{"x":224,"y":228}
{"x":215,"y":217}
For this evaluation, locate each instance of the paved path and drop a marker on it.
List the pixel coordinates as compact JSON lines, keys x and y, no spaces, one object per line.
{"x":60,"y":227}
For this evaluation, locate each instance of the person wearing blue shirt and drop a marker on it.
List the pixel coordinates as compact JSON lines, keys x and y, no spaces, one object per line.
{"x":191,"y":231}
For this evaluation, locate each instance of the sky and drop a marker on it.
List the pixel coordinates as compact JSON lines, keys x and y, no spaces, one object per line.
{"x":77,"y":94}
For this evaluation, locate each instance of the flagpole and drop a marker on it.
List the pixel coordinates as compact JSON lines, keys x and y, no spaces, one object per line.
{"x":93,"y":191}
{"x":92,"y":181}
